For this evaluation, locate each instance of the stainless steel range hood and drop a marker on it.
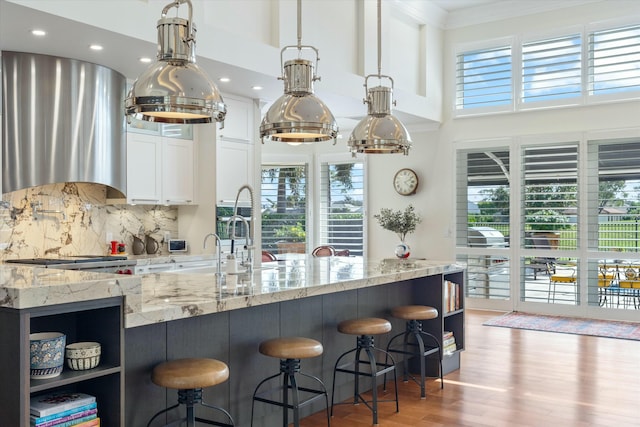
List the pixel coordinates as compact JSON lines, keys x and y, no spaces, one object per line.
{"x":63,"y":121}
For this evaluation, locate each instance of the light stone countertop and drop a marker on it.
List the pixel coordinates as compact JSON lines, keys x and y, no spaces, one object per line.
{"x":162,"y":297}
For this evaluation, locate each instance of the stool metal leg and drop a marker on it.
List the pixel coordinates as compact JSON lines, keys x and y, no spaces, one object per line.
{"x":414,"y":329}
{"x":288,"y":369}
{"x":365,"y":342}
{"x":189,"y":398}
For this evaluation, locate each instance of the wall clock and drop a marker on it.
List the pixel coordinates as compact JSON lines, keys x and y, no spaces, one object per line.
{"x":405,"y":181}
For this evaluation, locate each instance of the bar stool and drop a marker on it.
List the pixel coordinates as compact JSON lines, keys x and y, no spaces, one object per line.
{"x":290,"y":350}
{"x":413,"y":314}
{"x":189,"y":377}
{"x":366,"y":328}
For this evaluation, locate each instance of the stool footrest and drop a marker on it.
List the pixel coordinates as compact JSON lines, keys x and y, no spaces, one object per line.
{"x":381,"y":368}
{"x":427,"y":350}
{"x":302,"y":402}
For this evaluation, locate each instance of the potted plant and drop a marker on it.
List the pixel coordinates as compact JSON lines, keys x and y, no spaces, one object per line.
{"x":401,"y":223}
{"x":293,"y":238}
{"x":547,"y":223}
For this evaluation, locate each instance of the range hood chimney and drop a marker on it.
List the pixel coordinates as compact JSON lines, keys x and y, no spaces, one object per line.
{"x":63,"y":121}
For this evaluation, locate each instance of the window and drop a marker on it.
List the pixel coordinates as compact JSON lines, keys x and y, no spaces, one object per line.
{"x":483,"y":78}
{"x":614,"y":60}
{"x":551,"y":69}
{"x":483,"y":181}
{"x":342,"y":206}
{"x":284,"y":208}
{"x":616,"y":198}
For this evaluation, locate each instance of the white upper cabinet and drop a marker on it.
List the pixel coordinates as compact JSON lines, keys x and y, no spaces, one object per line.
{"x":144,"y":163}
{"x":178,"y":172}
{"x":235,"y":149}
{"x":238,"y":125}
{"x":160,"y":170}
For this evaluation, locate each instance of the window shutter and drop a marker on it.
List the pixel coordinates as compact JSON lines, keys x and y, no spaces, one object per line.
{"x":551,"y":69}
{"x":284,"y":206}
{"x":550,"y":198}
{"x":483,"y":78}
{"x":614,"y":60}
{"x":342,"y":206}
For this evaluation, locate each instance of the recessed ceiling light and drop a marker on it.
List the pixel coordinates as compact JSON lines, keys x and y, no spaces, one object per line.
{"x":95,"y":47}
{"x":257,"y":88}
{"x":39,"y":33}
{"x":224,"y":79}
{"x":145,"y":59}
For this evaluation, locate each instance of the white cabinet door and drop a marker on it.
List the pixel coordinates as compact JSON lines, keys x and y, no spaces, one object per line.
{"x":238,"y":124}
{"x":234,"y":149}
{"x":177,"y":171}
{"x":234,"y":168}
{"x":144,"y":157}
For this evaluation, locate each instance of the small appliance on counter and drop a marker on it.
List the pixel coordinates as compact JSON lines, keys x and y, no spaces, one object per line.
{"x":177,"y":245}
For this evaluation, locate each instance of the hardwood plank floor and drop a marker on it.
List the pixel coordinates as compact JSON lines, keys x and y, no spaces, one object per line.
{"x":512,"y":377}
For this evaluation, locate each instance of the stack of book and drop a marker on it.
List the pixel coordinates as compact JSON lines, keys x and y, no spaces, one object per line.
{"x":451,"y":296}
{"x":448,"y":343}
{"x":63,"y":409}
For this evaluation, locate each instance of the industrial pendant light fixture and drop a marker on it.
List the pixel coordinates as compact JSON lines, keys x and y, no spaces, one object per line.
{"x":175,"y":89}
{"x":298,"y":116}
{"x":380,"y":132}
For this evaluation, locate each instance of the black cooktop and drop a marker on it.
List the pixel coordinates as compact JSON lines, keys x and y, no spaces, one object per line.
{"x":68,"y":260}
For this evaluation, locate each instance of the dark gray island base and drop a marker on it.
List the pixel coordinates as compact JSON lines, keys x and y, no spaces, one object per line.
{"x":234,"y":337}
{"x":144,"y":320}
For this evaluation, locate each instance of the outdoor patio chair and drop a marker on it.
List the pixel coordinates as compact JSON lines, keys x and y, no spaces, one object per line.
{"x":565,"y":276}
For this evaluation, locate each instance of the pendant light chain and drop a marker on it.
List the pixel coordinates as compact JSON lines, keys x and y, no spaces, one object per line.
{"x":299,"y":27}
{"x":379,"y":38}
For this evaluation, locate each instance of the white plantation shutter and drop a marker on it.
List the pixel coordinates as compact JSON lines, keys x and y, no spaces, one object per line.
{"x":342,"y":206}
{"x":551,"y":69}
{"x":483,"y":78}
{"x":614,"y":60}
{"x":550,"y":185}
{"x":283,"y":202}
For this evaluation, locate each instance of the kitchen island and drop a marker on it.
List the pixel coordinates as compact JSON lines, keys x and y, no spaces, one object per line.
{"x":146,"y":319}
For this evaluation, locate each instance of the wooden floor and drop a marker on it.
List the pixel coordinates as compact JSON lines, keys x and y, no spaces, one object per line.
{"x":512,"y":377}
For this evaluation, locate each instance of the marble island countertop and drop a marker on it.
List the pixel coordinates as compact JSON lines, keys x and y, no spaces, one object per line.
{"x":162,"y":297}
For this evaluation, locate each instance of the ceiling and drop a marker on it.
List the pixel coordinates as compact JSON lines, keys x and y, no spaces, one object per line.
{"x":68,"y":38}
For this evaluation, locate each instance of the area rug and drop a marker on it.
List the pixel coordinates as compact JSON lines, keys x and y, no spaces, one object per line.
{"x":568,"y":325}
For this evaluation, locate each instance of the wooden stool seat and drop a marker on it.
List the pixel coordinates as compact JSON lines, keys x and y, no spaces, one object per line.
{"x":291,"y":348}
{"x":414,"y":312}
{"x":183,"y":374}
{"x":365,"y":326}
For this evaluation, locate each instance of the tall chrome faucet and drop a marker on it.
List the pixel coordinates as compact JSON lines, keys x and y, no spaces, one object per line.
{"x":249,"y":226}
{"x":219,"y":251}
{"x":247,"y":243}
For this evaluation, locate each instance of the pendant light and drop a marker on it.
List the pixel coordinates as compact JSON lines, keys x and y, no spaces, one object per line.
{"x":380,"y":132}
{"x":175,"y":89}
{"x":298,"y":116}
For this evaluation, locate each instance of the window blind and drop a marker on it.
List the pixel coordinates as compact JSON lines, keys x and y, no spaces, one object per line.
{"x":549,"y":196}
{"x":483,"y":78}
{"x":342,"y":206}
{"x":614,"y":60}
{"x":284,"y":206}
{"x":551,"y":69}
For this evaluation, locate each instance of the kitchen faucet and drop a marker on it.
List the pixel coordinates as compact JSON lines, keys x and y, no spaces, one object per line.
{"x":249,"y":227}
{"x":219,"y":247}
{"x":247,"y":244}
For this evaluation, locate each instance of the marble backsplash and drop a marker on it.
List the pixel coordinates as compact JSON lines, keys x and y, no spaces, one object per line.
{"x":75,"y":219}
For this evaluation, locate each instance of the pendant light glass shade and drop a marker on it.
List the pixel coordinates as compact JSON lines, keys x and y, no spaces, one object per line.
{"x":175,"y":89}
{"x":380,"y":132}
{"x":298,"y":116}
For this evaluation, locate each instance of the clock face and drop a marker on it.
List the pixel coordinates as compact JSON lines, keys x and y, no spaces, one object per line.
{"x":405,"y":182}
